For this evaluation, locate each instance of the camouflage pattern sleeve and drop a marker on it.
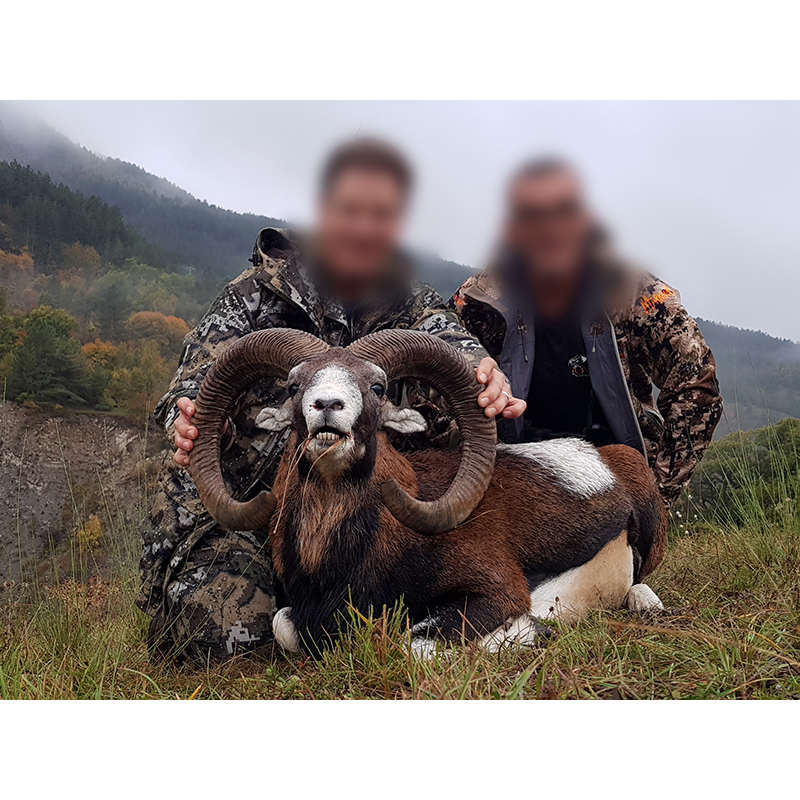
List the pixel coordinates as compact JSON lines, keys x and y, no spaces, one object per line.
{"x":435,"y":318}
{"x":483,"y":322}
{"x":683,"y":368}
{"x":429,"y":314}
{"x":228,"y":319}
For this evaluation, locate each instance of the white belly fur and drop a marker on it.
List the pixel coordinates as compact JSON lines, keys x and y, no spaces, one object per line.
{"x":603,"y":582}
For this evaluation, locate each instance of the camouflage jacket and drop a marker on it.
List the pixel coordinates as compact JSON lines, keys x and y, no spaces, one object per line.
{"x":637,"y":335}
{"x":278,"y":291}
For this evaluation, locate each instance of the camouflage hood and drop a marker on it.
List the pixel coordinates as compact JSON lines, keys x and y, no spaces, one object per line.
{"x":284,"y":260}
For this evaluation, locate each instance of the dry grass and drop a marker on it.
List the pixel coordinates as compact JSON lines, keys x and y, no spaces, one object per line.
{"x":733,"y":632}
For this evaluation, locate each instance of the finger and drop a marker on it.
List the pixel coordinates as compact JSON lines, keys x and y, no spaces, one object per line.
{"x":485,"y":369}
{"x":514,"y":408}
{"x":186,"y":406}
{"x":182,"y":426}
{"x":186,"y":444}
{"x":181,"y":458}
{"x":498,"y":404}
{"x":493,"y":389}
{"x":497,"y":382}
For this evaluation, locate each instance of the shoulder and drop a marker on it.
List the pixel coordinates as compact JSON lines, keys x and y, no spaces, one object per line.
{"x":481,"y":288}
{"x":653,"y":314}
{"x":422,"y":295}
{"x":635,"y":294}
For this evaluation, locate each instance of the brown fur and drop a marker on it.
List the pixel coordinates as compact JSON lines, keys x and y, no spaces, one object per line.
{"x":525,"y":522}
{"x":630,"y":470}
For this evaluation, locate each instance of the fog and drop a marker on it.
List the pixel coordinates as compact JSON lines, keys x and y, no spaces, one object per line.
{"x":707,"y":195}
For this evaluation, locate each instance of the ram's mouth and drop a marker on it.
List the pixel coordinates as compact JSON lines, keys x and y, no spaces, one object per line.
{"x":328,"y":436}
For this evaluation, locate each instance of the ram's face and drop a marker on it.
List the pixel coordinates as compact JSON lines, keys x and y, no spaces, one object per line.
{"x":337,"y":407}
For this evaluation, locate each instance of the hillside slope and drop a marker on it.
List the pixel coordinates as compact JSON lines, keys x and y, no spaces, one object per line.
{"x":759,"y":376}
{"x":199,"y":235}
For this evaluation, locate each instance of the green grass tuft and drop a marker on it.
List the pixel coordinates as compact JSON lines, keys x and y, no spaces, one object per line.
{"x":730,"y":579}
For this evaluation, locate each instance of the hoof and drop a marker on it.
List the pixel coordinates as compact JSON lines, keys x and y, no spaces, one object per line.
{"x":524,"y":631}
{"x":642,"y":599}
{"x":284,"y":631}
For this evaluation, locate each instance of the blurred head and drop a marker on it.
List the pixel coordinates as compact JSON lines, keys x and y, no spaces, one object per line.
{"x":548,"y":222}
{"x":364,"y":191}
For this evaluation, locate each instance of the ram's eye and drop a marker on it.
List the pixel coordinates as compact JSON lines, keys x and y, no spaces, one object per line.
{"x":378,"y":389}
{"x":293,"y":390}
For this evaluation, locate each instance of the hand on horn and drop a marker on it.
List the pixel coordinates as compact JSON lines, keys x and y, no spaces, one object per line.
{"x":185,"y":431}
{"x":496,"y":398}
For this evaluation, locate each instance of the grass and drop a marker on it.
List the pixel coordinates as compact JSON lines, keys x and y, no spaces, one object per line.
{"x":733,"y":632}
{"x":731,"y":583}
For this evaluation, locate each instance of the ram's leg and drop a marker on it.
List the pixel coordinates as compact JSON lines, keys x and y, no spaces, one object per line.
{"x":285,"y":632}
{"x":603,"y":582}
{"x":524,"y":631}
{"x":471,"y":617}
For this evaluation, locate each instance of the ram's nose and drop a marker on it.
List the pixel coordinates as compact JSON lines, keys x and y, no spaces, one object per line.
{"x":328,"y":404}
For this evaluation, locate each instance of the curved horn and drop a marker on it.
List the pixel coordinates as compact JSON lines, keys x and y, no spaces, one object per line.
{"x":264,"y":354}
{"x":415,"y":354}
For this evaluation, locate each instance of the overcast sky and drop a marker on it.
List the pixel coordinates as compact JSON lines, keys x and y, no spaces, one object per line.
{"x":707,"y":195}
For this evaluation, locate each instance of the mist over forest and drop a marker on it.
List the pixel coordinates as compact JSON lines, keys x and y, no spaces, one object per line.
{"x":104,"y":267}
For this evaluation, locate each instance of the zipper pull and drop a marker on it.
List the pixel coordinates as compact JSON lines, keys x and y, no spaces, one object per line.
{"x":522,"y":329}
{"x":595,"y":331}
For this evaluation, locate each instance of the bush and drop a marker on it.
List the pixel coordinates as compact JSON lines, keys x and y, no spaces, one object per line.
{"x":48,"y":366}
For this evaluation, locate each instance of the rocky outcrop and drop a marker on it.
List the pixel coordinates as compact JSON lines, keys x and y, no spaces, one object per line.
{"x":57,"y":472}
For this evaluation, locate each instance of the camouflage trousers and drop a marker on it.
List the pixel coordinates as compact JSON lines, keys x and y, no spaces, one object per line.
{"x":210,"y":592}
{"x":219,"y":603}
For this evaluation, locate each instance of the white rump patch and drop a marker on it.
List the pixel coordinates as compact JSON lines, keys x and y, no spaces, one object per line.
{"x":574,"y":464}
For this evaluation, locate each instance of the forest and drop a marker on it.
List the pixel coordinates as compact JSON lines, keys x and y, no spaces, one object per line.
{"x":85,"y":320}
{"x":103,"y":240}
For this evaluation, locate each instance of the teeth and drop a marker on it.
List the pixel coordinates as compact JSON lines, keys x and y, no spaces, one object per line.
{"x":327,"y":436}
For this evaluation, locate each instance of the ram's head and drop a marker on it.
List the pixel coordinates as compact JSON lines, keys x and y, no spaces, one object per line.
{"x":338,"y":404}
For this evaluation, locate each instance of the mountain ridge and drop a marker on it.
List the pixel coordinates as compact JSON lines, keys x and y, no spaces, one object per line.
{"x":198,"y":234}
{"x":759,"y":373}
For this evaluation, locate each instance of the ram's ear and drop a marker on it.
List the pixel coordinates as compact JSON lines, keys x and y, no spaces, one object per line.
{"x":275,"y":418}
{"x":404,"y":420}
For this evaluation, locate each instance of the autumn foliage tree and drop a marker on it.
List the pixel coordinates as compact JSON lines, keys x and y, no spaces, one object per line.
{"x":167,"y":331}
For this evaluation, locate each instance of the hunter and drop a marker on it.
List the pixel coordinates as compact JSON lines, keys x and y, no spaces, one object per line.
{"x":585,"y":337}
{"x":211,"y":593}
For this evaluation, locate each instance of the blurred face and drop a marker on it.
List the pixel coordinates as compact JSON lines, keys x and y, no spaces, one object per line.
{"x":548,"y":224}
{"x":359,"y":224}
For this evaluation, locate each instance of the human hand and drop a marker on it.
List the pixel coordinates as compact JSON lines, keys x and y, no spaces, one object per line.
{"x":496,"y":398}
{"x":185,"y":431}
